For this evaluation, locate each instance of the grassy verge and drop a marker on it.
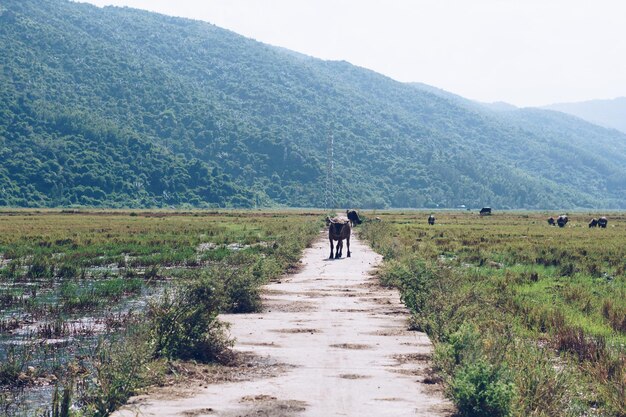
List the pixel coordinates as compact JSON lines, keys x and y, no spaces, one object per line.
{"x":527,"y":319}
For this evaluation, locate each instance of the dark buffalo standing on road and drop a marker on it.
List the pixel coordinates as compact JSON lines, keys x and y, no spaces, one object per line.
{"x":485,"y":211}
{"x":562,"y":220}
{"x":593,"y":223}
{"x":338,"y":230}
{"x":431,"y":220}
{"x":354,"y":218}
{"x":602,"y":222}
{"x":551,"y":221}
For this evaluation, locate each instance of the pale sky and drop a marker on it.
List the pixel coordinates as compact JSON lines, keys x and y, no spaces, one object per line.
{"x":525,"y":52}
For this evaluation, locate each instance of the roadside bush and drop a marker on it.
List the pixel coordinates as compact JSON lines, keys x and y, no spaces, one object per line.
{"x":242,"y":293}
{"x":416,"y":286}
{"x":185,"y":326}
{"x":266,"y":268}
{"x":480,"y":389}
{"x":121,"y":369}
{"x":394,"y":273}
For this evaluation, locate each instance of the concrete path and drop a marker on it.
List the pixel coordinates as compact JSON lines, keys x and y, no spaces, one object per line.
{"x":343,"y":342}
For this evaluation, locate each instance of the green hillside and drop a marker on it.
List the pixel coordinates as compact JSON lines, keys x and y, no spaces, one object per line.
{"x":120,"y":107}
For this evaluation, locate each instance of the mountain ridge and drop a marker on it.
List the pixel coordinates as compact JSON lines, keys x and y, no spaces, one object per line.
{"x":609,"y":113}
{"x":247,"y":124}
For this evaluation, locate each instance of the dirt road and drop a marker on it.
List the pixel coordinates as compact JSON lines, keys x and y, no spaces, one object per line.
{"x":338,"y":346}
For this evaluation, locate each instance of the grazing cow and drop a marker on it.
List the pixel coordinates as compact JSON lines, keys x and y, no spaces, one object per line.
{"x":431,"y":220}
{"x":338,"y":230}
{"x":354,"y":218}
{"x":562,"y":220}
{"x":593,"y":223}
{"x":551,"y":221}
{"x":485,"y":211}
{"x":602,"y":222}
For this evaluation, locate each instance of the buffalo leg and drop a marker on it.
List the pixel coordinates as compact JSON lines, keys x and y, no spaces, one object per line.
{"x":339,"y":249}
{"x":348,"y":245}
{"x":331,"y":248}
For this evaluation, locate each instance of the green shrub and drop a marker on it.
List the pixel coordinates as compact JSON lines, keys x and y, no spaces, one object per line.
{"x":184,"y":323}
{"x":266,"y":268}
{"x":120,"y":369}
{"x":462,"y":346}
{"x":482,"y":390}
{"x":242,"y":293}
{"x":415,"y":286}
{"x":395,"y":273}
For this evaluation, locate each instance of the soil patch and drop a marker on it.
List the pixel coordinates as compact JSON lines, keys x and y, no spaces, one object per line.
{"x":296,"y":330}
{"x":268,"y":406}
{"x":354,"y":376}
{"x":354,"y":346}
{"x":185,"y":378}
{"x":295,"y":307}
{"x":199,"y":412}
{"x":412,"y":357}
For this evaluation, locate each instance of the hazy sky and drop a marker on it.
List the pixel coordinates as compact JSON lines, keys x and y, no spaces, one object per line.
{"x":525,"y":52}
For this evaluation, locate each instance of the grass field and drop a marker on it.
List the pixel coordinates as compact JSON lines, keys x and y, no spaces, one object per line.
{"x":527,"y":319}
{"x":90,"y":300}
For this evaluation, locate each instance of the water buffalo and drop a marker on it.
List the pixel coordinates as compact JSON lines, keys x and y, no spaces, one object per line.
{"x":354,"y":218}
{"x":338,"y":230}
{"x":485,"y":211}
{"x":551,"y":221}
{"x":431,"y":220}
{"x":562,"y":220}
{"x":593,"y":223}
{"x":602,"y":222}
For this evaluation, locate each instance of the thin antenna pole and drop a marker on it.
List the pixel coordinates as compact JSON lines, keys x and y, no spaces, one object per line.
{"x":329,"y":172}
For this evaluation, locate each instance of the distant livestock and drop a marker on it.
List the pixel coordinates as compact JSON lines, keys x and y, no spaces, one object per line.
{"x":593,"y":223}
{"x":354,"y":218}
{"x":602,"y":222}
{"x":551,"y":221}
{"x":338,"y":230}
{"x":562,"y":220}
{"x":431,"y":220}
{"x":485,"y":211}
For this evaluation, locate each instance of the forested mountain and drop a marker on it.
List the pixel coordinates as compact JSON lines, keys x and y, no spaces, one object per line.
{"x":607,"y":113}
{"x":120,"y":107}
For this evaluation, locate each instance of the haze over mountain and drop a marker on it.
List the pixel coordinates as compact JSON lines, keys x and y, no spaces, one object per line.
{"x":121,"y":107}
{"x":607,"y":113}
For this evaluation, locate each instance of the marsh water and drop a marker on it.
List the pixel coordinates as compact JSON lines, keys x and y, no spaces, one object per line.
{"x":49,"y":342}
